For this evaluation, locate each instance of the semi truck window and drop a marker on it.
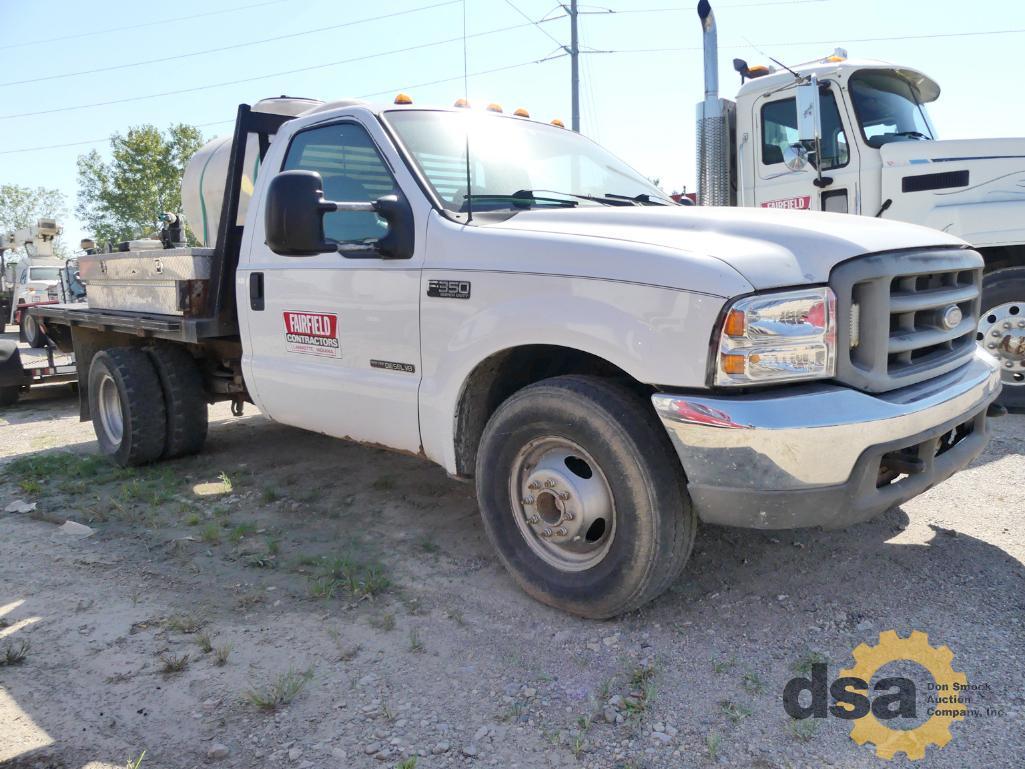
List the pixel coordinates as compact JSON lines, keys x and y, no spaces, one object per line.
{"x":353,"y":171}
{"x":779,"y":130}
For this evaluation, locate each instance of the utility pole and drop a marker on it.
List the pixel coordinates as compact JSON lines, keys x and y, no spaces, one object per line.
{"x":574,"y":54}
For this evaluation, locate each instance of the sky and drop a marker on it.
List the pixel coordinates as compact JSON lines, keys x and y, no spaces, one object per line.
{"x":639,"y":104}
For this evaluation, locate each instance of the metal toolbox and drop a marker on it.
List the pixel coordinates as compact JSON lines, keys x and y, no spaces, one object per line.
{"x":173,"y":281}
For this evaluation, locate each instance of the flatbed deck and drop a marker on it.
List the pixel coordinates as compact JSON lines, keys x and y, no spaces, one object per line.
{"x":173,"y":327}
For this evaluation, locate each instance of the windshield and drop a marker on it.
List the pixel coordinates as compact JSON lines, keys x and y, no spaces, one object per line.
{"x":888,"y":108}
{"x":516,"y":163}
{"x":42,"y":273}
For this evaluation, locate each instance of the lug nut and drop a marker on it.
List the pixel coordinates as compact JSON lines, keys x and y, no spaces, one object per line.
{"x":1009,"y":364}
{"x":563,"y":495}
{"x":1007,"y":324}
{"x":568,"y":515}
{"x":534,"y":519}
{"x":528,"y":500}
{"x":996,"y":332}
{"x":546,"y":532}
{"x":549,"y":484}
{"x":562,"y":532}
{"x":534,"y":485}
{"x":992,"y":345}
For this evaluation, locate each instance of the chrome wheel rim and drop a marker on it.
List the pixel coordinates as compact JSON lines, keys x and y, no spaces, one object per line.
{"x":1001,"y":332}
{"x":109,"y":403}
{"x":29,"y":324}
{"x":562,"y":503}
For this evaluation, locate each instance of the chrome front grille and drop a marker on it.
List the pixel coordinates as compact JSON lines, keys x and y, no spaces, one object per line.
{"x":905,"y":317}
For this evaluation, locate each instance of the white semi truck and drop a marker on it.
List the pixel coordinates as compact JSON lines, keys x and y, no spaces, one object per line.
{"x":852,"y":136}
{"x":505,"y":298}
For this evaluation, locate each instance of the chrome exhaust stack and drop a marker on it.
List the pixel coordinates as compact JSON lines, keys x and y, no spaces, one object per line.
{"x":715,"y":125}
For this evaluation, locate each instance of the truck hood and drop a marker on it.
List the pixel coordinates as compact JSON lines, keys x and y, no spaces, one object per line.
{"x":972,"y":188}
{"x":769,"y":248}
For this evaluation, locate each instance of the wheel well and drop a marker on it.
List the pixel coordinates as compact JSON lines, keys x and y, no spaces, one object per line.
{"x":496,"y":378}
{"x":1002,"y":257}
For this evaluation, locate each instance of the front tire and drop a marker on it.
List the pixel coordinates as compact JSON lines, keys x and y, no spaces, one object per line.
{"x":1001,"y":331}
{"x":127,"y":406}
{"x":583,"y":497}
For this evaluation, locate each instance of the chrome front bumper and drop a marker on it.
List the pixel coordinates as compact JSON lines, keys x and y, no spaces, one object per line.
{"x":812,"y":455}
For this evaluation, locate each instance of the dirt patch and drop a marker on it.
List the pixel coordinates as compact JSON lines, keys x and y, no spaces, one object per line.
{"x":285,"y":599}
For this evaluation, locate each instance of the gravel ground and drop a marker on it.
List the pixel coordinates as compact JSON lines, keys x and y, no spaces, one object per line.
{"x":287,"y":600}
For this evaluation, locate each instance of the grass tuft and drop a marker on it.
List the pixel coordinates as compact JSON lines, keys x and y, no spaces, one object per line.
{"x":279,"y":692}
{"x":14,"y":653}
{"x":173,"y":664}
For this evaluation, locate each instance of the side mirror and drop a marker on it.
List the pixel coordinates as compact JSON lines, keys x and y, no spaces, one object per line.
{"x":809,"y":111}
{"x":294,"y":219}
{"x":795,"y":157}
{"x":294,"y":214}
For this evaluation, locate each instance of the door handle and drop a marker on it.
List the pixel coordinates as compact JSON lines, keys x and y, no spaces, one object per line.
{"x":256,"y":290}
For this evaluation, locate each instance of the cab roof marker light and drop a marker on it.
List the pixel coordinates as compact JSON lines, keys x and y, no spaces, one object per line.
{"x":461,"y":103}
{"x":494,"y":107}
{"x":403,"y":98}
{"x":558,"y":123}
{"x":520,"y":112}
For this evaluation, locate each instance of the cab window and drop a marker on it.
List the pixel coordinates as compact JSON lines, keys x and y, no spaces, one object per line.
{"x":353,"y":171}
{"x":779,"y":130}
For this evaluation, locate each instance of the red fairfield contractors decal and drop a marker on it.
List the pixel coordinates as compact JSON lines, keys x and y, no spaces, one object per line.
{"x":800,"y":203}
{"x":312,"y":333}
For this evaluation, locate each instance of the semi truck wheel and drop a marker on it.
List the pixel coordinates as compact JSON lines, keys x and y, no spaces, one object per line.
{"x":1002,"y":331}
{"x":583,"y":497}
{"x":184,"y":400}
{"x":127,"y":406}
{"x":31,"y":331}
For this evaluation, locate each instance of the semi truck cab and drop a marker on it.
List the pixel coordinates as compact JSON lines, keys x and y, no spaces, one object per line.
{"x":855,"y":136}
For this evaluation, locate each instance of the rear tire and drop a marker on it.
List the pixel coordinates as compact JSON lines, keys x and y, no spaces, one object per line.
{"x":127,"y":406}
{"x":591,"y":450}
{"x":184,"y":398}
{"x":9,"y":395}
{"x":1003,"y":301}
{"x":31,"y":332}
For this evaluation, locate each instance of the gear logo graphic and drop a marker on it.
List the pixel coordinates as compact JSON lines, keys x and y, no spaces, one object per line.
{"x":936,"y":731}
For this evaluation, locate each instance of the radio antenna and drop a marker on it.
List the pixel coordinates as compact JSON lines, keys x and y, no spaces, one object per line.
{"x":466,"y":101}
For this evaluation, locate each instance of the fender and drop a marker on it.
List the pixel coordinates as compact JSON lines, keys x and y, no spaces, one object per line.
{"x":11,"y":371}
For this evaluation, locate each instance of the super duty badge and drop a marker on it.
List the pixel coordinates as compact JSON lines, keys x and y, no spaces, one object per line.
{"x":449,"y":289}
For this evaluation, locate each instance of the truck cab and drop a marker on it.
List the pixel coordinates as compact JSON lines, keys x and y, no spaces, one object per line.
{"x":854,"y":136}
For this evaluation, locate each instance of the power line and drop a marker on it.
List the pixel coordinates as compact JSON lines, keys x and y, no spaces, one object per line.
{"x":794,"y":44}
{"x":406,"y":87}
{"x":537,"y":24}
{"x":760,"y":3}
{"x":239,"y":81}
{"x":108,"y":30}
{"x":230,"y":47}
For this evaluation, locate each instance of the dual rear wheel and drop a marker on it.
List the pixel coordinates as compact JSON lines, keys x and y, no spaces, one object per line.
{"x":147,"y":404}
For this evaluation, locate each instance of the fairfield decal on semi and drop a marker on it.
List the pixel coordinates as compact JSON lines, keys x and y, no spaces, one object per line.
{"x":801,"y":203}
{"x":312,"y":333}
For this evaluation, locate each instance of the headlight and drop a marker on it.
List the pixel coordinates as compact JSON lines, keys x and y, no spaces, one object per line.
{"x":784,"y":336}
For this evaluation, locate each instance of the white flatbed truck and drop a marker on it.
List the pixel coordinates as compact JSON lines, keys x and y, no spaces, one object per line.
{"x":609,"y":367}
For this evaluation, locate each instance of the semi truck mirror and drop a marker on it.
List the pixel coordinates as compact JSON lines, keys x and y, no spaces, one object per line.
{"x":294,"y":214}
{"x":795,"y":157}
{"x":809,"y":120}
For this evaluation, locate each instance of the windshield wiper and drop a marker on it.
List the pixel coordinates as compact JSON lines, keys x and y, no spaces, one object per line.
{"x":592,"y":198}
{"x":644,"y":199}
{"x":522,"y":199}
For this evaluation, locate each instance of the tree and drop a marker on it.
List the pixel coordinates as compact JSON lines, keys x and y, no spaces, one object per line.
{"x":122,"y":199}
{"x":24,"y":206}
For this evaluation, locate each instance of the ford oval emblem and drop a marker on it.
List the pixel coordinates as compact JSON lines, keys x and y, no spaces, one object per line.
{"x":952,"y":317}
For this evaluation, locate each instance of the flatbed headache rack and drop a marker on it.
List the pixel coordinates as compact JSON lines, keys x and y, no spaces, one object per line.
{"x":217,"y":317}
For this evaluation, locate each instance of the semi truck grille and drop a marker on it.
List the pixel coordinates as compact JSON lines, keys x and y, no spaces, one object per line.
{"x":905,"y":317}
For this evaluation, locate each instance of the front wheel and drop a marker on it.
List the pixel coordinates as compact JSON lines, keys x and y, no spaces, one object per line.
{"x":1001,"y":331}
{"x":583,"y":497}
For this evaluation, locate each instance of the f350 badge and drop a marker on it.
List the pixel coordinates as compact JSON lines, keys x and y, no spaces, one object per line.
{"x":449,"y":289}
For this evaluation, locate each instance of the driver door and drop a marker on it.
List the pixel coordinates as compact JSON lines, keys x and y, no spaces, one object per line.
{"x":333,"y":340}
{"x":777,"y":186}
